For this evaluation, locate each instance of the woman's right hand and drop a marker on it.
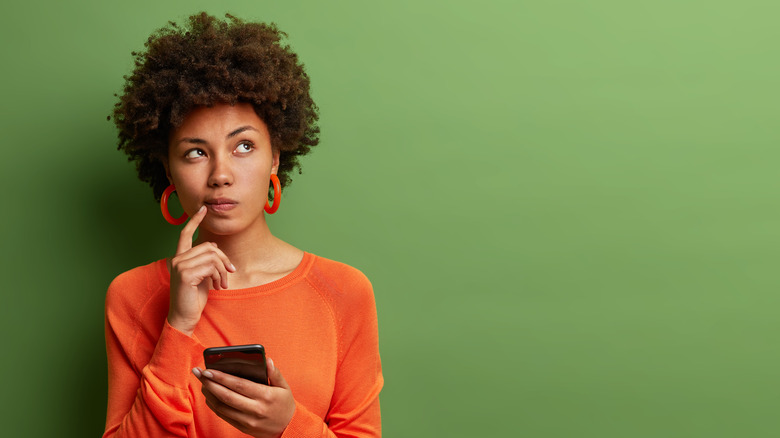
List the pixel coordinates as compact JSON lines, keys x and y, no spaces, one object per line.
{"x":193,"y":271}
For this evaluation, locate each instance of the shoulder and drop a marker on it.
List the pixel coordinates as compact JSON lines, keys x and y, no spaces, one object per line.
{"x":350,"y":297}
{"x":337,"y":276}
{"x":132,"y":289}
{"x":340,"y":284}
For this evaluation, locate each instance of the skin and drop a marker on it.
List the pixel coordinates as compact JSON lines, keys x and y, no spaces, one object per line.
{"x":220,"y":159}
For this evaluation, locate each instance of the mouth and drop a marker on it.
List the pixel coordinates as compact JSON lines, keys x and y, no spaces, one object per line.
{"x":221,"y":204}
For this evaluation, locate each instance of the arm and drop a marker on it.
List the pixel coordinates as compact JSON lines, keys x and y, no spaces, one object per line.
{"x":354,"y":410}
{"x":149,"y":377}
{"x":147,"y":396}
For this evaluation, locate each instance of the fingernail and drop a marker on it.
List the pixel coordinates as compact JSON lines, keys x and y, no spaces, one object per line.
{"x":196,"y":372}
{"x":208,"y":374}
{"x":233,"y":267}
{"x":202,"y":207}
{"x":271,"y":363}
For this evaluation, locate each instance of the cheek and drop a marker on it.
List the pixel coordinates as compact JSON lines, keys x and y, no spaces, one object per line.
{"x":255,"y":176}
{"x":259,"y":189}
{"x":188,"y":201}
{"x":188,"y":189}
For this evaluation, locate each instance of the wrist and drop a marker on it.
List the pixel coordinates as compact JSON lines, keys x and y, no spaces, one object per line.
{"x":182,"y":325}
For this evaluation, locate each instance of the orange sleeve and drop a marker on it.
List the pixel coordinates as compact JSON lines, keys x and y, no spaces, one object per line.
{"x":151,"y":398}
{"x":354,"y":410}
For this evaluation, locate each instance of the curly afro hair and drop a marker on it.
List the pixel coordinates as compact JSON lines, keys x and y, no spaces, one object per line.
{"x":206,"y":62}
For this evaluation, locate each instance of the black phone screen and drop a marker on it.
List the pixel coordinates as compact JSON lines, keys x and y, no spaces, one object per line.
{"x":245,"y":361}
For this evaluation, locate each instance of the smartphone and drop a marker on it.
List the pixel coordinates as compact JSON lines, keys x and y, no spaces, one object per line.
{"x":245,"y":361}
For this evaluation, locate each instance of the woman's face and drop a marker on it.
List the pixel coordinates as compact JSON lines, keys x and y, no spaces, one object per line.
{"x":221,"y":156}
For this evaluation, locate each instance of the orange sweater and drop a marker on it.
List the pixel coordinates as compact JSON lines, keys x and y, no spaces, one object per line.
{"x":318,"y":324}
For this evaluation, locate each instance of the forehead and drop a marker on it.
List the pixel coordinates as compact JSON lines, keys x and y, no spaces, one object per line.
{"x":218,"y":120}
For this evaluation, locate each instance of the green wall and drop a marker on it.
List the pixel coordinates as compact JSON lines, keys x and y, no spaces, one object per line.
{"x":569,"y":210}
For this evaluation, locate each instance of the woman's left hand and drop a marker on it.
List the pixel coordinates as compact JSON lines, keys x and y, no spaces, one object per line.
{"x":253,"y":408}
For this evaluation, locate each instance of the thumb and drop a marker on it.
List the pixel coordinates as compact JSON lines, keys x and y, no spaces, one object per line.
{"x":275,"y":377}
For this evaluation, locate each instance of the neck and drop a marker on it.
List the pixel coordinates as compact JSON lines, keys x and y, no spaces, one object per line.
{"x":258,"y":255}
{"x":249,"y":248}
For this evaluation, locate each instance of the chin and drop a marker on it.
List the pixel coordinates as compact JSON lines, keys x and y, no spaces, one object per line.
{"x":223,"y":227}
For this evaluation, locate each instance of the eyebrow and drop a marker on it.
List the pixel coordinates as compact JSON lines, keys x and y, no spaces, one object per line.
{"x":240,"y":130}
{"x":232,"y":134}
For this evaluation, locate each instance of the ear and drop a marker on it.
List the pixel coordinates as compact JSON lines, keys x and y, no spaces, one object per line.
{"x":164,"y":161}
{"x":275,"y":165}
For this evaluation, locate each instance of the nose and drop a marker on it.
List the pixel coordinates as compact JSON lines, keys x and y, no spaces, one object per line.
{"x":221,"y":172}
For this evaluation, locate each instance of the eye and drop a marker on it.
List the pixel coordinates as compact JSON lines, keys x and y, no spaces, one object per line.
{"x":245,"y":147}
{"x":194,"y":153}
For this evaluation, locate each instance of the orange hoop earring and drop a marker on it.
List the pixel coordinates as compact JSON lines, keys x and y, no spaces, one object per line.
{"x":164,"y":207}
{"x":277,"y":195}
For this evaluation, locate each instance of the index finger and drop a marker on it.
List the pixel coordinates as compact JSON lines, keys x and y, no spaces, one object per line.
{"x":185,"y":237}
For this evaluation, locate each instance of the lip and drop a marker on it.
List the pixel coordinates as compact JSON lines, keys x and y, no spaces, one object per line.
{"x":221,"y":204}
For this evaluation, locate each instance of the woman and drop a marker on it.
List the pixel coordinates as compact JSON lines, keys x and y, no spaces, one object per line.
{"x":219,"y":112}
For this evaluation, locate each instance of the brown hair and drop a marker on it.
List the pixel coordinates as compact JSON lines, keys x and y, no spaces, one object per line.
{"x":212,"y":61}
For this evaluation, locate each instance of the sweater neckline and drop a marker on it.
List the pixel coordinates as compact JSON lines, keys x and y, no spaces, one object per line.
{"x":299,"y":272}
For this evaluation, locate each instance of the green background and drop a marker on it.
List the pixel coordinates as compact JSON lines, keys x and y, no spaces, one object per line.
{"x":569,"y":209}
